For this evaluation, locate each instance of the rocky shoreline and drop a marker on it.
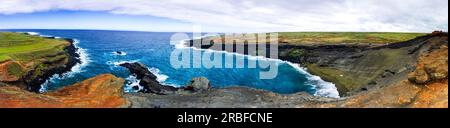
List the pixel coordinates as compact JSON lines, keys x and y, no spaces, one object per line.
{"x":393,"y":88}
{"x":151,"y":85}
{"x":423,"y":85}
{"x":34,"y":78}
{"x":353,"y":68}
{"x":34,"y":84}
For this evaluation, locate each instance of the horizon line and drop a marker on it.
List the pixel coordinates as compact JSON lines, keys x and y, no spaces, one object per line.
{"x":117,"y":30}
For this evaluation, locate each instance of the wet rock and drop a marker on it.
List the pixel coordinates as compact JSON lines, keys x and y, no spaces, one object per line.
{"x":148,"y":79}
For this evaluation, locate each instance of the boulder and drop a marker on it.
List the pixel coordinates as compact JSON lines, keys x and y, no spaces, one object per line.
{"x":199,"y":84}
{"x":431,"y":67}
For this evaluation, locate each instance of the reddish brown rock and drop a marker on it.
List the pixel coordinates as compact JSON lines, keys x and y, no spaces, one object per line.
{"x":434,"y":95}
{"x":5,"y":73}
{"x":103,"y":91}
{"x":431,"y":67}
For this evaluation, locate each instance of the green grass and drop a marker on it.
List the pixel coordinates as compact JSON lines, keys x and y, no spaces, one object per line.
{"x":15,"y":69}
{"x":297,"y":53}
{"x":302,"y":38}
{"x":346,"y":37}
{"x":30,"y":52}
{"x":24,"y":47}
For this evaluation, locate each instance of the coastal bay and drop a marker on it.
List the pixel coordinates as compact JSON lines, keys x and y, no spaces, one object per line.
{"x":382,"y":94}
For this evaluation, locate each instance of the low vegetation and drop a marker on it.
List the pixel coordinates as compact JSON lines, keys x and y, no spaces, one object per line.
{"x":303,"y":38}
{"x":22,"y":54}
{"x":22,"y":47}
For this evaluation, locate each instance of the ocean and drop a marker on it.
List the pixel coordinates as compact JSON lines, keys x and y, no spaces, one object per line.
{"x":98,"y":54}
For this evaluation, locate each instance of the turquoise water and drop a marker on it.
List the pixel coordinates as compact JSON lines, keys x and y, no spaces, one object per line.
{"x":153,"y":49}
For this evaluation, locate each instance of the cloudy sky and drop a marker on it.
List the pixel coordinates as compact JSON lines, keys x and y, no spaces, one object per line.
{"x":227,"y":15}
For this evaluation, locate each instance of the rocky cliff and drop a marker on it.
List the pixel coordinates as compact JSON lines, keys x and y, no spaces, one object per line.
{"x":28,"y":61}
{"x":352,"y":67}
{"x":411,"y":74}
{"x":103,"y":91}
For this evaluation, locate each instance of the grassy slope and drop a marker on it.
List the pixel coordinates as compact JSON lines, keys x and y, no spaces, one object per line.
{"x":25,"y":47}
{"x":29,"y":51}
{"x":302,"y":38}
{"x":346,"y":37}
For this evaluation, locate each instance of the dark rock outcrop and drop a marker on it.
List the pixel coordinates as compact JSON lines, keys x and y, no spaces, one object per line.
{"x":147,"y":79}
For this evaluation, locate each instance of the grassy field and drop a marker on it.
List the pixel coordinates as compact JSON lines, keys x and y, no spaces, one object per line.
{"x":24,"y":47}
{"x":346,"y":37}
{"x":302,"y":38}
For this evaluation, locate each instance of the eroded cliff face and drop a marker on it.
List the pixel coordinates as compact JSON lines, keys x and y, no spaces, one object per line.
{"x":10,"y":71}
{"x":103,"y":91}
{"x":28,"y":65}
{"x":423,"y":83}
{"x":356,"y":69}
{"x":425,"y":87}
{"x":352,"y":67}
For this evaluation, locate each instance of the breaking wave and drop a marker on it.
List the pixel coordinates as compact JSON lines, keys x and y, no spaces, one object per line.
{"x":78,"y":68}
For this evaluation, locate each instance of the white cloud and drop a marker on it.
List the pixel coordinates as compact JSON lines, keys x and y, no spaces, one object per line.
{"x":267,"y":15}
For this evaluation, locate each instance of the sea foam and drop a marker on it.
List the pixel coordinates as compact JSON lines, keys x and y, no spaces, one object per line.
{"x":132,"y":81}
{"x":78,"y":68}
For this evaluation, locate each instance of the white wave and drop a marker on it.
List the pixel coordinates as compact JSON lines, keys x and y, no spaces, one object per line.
{"x":159,"y":77}
{"x":181,"y":45}
{"x":84,"y":58}
{"x":32,"y":33}
{"x":323,"y":88}
{"x":46,"y":36}
{"x":131,"y":82}
{"x":121,"y":62}
{"x":78,"y":68}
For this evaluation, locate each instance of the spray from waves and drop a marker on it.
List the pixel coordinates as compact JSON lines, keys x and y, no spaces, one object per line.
{"x":159,"y":76}
{"x":116,"y":64}
{"x":132,"y":81}
{"x":32,"y":33}
{"x":84,"y":60}
{"x":323,"y":88}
